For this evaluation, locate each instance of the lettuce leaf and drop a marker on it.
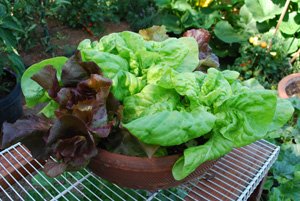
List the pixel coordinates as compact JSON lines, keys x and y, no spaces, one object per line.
{"x":245,"y":116}
{"x":150,"y":100}
{"x":215,"y":88}
{"x":170,"y":128}
{"x":240,"y":118}
{"x":283,"y":112}
{"x":32,"y":91}
{"x":110,"y":64}
{"x":126,"y":84}
{"x":214,"y":148}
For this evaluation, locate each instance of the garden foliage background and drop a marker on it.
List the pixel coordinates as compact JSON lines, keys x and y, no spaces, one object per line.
{"x":245,"y":35}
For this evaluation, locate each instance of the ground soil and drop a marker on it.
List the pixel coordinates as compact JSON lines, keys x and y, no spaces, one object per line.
{"x":64,"y":40}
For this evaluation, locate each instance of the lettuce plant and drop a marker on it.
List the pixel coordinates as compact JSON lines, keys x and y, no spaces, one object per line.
{"x":81,"y":117}
{"x":162,"y":103}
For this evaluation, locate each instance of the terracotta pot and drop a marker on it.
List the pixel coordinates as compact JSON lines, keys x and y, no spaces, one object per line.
{"x":289,"y":86}
{"x":140,"y":173}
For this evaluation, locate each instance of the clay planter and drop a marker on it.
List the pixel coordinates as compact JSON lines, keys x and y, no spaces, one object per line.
{"x":289,"y":86}
{"x":140,"y":173}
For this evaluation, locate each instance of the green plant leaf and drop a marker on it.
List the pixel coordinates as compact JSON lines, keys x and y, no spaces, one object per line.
{"x":126,"y":84}
{"x":32,"y":91}
{"x":291,"y":45}
{"x":214,"y":148}
{"x":263,"y":10}
{"x":150,"y":100}
{"x":290,"y":23}
{"x":225,"y":32}
{"x":170,"y":128}
{"x":215,"y":88}
{"x":290,"y":190}
{"x":163,"y":3}
{"x":172,"y":23}
{"x":275,"y":195}
{"x":3,"y":11}
{"x":240,"y":119}
{"x":181,"y":5}
{"x":283,"y":112}
{"x":12,"y":23}
{"x":247,"y":22}
{"x":17,"y":64}
{"x":7,"y":37}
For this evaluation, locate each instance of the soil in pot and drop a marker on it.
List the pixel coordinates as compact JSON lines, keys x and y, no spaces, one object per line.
{"x":289,"y":86}
{"x":10,"y":98}
{"x":293,"y":89}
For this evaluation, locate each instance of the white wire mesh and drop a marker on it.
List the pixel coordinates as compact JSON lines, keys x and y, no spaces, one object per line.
{"x":233,"y":177}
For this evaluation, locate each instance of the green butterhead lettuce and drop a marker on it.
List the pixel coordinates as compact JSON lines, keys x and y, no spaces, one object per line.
{"x":126,"y":58}
{"x":166,"y":102}
{"x":170,"y":128}
{"x":150,"y":100}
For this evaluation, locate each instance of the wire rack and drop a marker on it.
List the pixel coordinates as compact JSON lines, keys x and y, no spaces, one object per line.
{"x":233,"y":177}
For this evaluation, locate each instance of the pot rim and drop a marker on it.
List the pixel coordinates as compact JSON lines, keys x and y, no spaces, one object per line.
{"x":138,"y":157}
{"x":284,"y":82}
{"x":135,"y":163}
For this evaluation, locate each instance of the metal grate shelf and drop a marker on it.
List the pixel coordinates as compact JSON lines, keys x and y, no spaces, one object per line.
{"x":233,"y":177}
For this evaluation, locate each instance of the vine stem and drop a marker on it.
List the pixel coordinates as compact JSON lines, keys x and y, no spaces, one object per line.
{"x":297,"y":54}
{"x":279,"y":22}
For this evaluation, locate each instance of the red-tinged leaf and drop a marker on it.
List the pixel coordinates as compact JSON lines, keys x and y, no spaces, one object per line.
{"x":65,"y":97}
{"x":46,"y":77}
{"x":84,"y":110}
{"x":97,"y":83}
{"x":90,"y":67}
{"x":96,"y":87}
{"x":71,"y":142}
{"x":81,"y":113}
{"x":75,"y":70}
{"x":65,"y":127}
{"x":202,"y":37}
{"x":99,"y":124}
{"x":113,"y":104}
{"x":68,"y":147}
{"x":72,"y":73}
{"x":54,"y":169}
{"x":30,"y":132}
{"x":206,"y":57}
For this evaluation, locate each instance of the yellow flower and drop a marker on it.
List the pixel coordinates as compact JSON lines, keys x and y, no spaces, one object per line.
{"x":203,"y":3}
